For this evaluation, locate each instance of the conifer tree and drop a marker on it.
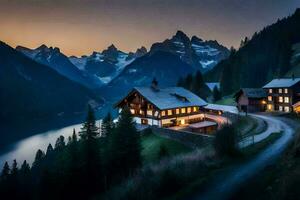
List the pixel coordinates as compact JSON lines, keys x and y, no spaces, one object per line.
{"x":39,"y":156}
{"x":216,"y":94}
{"x":60,"y":143}
{"x":74,"y":136}
{"x":89,"y":129}
{"x":49,"y":149}
{"x":14,"y":169}
{"x":107,"y":125}
{"x":25,"y":168}
{"x":125,"y":147}
{"x":5,"y":172}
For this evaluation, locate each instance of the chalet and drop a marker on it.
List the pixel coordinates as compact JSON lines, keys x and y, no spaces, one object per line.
{"x":163,"y":107}
{"x":251,"y":99}
{"x":282,"y":94}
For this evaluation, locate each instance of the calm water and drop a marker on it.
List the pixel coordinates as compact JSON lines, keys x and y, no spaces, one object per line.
{"x":26,"y":148}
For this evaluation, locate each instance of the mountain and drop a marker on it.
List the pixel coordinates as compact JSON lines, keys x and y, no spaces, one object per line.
{"x":265,"y":56}
{"x":164,"y":66}
{"x":32,"y":93}
{"x":202,"y":55}
{"x":53,"y":58}
{"x":106,"y":64}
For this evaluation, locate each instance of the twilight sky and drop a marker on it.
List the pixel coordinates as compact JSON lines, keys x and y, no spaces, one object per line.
{"x":82,"y":26}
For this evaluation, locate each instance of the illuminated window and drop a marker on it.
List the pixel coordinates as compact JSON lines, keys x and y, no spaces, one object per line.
{"x":169,"y":112}
{"x":163,"y":113}
{"x":270,"y":91}
{"x":286,"y":109}
{"x":280,"y":99}
{"x":280,"y":108}
{"x":177,"y":111}
{"x":269,"y":98}
{"x":182,"y":110}
{"x":286,"y":99}
{"x":279,"y":90}
{"x":149,"y":112}
{"x":286,"y":91}
{"x":270,"y":106}
{"x":195,"y":109}
{"x":132,"y":111}
{"x":189,"y":110}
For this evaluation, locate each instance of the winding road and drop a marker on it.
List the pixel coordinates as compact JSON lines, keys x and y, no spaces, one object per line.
{"x":226,"y":183}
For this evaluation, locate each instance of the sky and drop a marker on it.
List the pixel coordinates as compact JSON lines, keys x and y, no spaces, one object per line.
{"x":80,"y":27}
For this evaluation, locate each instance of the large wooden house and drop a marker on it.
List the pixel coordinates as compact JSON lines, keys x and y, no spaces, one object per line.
{"x":283,"y":94}
{"x":163,"y":107}
{"x":251,"y":99}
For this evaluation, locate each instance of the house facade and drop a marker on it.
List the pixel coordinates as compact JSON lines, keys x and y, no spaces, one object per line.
{"x":283,"y":94}
{"x":163,"y":107}
{"x":251,"y":99}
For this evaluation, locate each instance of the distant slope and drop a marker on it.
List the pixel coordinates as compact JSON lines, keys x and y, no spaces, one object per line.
{"x":295,"y":62}
{"x":55,"y":59}
{"x":164,"y":66}
{"x":30,"y":91}
{"x":265,"y":56}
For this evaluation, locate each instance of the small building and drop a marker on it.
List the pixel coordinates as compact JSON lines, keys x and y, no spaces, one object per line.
{"x":205,"y":127}
{"x":163,"y":107}
{"x":282,"y":94}
{"x":296,"y":107}
{"x":251,"y":99}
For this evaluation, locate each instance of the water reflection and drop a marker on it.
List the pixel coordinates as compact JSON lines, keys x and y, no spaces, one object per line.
{"x":26,"y":149}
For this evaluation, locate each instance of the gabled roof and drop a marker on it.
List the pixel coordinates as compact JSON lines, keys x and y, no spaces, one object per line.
{"x":282,"y":82}
{"x":254,"y":92}
{"x":171,"y":97}
{"x":212,"y":85}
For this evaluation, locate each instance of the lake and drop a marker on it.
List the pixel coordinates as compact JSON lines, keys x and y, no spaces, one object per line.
{"x":26,"y":149}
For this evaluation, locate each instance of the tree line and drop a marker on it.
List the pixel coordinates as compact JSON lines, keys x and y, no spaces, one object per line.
{"x":87,"y":163}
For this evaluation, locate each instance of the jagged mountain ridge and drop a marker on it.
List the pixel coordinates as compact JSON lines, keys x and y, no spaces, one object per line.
{"x":106,"y":64}
{"x":202,"y":55}
{"x":56,"y":60}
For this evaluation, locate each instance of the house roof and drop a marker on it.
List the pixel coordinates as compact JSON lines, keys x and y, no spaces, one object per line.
{"x":212,"y":85}
{"x":282,"y":82}
{"x":171,"y":97}
{"x":254,"y":92}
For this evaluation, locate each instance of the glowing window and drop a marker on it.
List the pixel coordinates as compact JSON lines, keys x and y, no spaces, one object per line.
{"x":270,"y":91}
{"x":286,"y":99}
{"x":169,"y":112}
{"x":132,"y":111}
{"x":280,"y":99}
{"x":286,"y":109}
{"x":280,"y":108}
{"x":163,"y":113}
{"x":189,"y":110}
{"x":279,"y":90}
{"x":194,"y":109}
{"x":269,"y":98}
{"x":177,"y":111}
{"x":182,"y":110}
{"x":286,"y":91}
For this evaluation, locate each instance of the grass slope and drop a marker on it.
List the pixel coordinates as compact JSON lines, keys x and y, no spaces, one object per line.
{"x":152,"y":143}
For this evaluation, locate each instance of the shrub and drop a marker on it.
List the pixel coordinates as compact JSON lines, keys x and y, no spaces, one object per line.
{"x":226,"y":142}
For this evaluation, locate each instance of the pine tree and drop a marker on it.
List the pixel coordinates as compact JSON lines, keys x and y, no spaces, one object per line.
{"x":49,"y":149}
{"x":25,"y":168}
{"x":60,"y":143}
{"x":14,"y":169}
{"x":216,"y":94}
{"x":188,"y":82}
{"x":74,"y":136}
{"x":5,"y":172}
{"x":39,"y":156}
{"x":125,"y":147}
{"x":107,"y":125}
{"x":89,"y":129}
